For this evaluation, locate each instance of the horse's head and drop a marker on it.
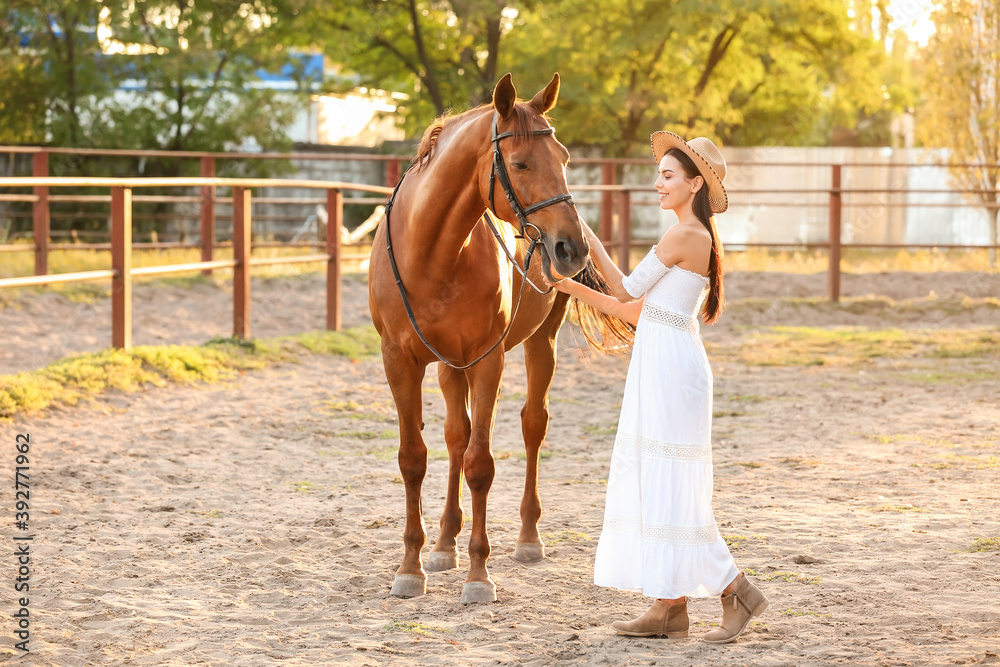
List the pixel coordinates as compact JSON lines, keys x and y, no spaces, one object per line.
{"x":536,"y":165}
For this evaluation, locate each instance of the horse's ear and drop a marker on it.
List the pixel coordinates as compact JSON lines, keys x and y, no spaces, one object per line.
{"x":546,"y":98}
{"x":504,"y":96}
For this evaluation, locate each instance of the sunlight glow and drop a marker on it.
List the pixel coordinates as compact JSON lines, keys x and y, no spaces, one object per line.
{"x":913,"y":17}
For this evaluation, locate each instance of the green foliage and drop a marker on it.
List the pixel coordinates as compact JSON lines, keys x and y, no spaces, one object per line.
{"x":441,"y":54}
{"x":86,"y":376}
{"x":195,"y":59}
{"x":759,"y":72}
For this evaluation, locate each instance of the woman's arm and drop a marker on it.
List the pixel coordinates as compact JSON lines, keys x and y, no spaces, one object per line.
{"x":612,"y":274}
{"x":628,"y":312}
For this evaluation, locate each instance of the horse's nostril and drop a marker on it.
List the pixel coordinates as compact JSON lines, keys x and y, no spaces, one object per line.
{"x":564,"y":252}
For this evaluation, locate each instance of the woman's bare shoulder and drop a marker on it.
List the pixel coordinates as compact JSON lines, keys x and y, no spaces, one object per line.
{"x":682,"y":243}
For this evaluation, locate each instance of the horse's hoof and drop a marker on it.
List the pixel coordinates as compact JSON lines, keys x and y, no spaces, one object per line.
{"x":529,"y":552}
{"x":408,"y":586}
{"x":439,"y":561}
{"x":479,"y":591}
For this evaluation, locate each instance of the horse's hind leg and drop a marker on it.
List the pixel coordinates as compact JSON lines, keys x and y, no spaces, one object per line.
{"x":457,"y":428}
{"x":405,"y":379}
{"x":540,"y":364}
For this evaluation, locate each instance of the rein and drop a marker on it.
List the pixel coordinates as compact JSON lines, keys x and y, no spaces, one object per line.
{"x":497,"y":173}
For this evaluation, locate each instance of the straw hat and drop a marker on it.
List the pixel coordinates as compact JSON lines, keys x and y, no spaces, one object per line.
{"x":706,"y":157}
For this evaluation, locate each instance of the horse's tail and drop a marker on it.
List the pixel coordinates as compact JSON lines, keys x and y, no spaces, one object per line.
{"x":604,"y":332}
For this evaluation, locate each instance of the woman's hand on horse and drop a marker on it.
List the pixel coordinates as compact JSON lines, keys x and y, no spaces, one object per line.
{"x":564,"y":285}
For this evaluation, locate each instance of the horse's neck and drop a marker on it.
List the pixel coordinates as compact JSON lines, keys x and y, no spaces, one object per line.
{"x":445,"y":199}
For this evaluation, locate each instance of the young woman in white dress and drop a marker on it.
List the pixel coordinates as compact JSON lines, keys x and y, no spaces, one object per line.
{"x":660,"y":536}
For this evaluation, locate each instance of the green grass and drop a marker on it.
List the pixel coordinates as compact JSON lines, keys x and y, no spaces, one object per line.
{"x":87,"y":376}
{"x":983,"y":544}
{"x":834,"y":346}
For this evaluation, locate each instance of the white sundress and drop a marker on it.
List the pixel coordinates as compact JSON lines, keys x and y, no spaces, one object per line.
{"x":660,"y":536}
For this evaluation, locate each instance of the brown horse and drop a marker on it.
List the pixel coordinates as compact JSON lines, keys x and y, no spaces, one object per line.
{"x":463,"y":290}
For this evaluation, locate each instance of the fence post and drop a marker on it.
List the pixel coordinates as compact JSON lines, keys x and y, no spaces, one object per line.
{"x":40,"y":214}
{"x":624,"y":230}
{"x":241,"y":254}
{"x":335,"y":217}
{"x":833,"y":272}
{"x":391,"y":173}
{"x":121,"y":263}
{"x":207,"y":212}
{"x":607,"y":202}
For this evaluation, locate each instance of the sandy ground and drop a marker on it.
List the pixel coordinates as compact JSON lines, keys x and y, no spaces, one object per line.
{"x":259,"y":522}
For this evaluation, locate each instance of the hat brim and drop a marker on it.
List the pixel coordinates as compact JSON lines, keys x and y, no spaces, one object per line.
{"x":663,"y":141}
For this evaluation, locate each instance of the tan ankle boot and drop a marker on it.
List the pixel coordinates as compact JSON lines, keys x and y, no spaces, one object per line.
{"x":661,"y":619}
{"x":738,"y":608}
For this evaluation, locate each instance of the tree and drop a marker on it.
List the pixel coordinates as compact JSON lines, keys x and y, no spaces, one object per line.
{"x":442,"y":54}
{"x":189,"y":67}
{"x":961,"y":78}
{"x":197,"y":62}
{"x":762,"y":71}
{"x":51,"y":73}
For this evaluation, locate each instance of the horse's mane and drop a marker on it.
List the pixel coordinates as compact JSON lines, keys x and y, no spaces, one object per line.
{"x":522,"y":130}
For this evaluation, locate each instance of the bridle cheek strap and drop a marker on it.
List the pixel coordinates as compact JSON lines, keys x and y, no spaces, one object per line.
{"x":498,"y":172}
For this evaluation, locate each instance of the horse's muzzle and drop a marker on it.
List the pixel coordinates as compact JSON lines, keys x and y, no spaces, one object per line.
{"x":568,"y":257}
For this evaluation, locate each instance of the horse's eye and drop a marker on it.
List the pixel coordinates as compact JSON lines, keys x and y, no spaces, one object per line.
{"x":520,"y":166}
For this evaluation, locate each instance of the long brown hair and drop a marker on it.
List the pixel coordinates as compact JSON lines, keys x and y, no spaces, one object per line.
{"x":716,"y":301}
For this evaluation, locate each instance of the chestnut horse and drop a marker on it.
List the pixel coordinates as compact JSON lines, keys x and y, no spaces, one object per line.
{"x":464,"y":291}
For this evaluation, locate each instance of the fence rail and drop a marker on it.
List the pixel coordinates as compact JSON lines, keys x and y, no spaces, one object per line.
{"x":121,"y":245}
{"x":616,"y":202}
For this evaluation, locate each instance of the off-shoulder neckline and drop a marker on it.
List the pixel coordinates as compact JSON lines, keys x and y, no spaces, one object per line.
{"x":670,"y":268}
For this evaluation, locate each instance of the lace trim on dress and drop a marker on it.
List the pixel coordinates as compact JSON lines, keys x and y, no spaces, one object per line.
{"x":666,"y":451}
{"x":664,"y":534}
{"x":693,"y":273}
{"x":654,"y":313}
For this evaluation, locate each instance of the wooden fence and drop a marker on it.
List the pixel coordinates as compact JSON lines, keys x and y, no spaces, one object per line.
{"x":122,"y":271}
{"x":614,"y":228}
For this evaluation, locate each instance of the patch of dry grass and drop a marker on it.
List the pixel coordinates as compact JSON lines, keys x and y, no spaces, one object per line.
{"x":837,"y":346}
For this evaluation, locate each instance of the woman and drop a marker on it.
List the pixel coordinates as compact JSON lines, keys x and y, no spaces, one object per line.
{"x":660,"y":535}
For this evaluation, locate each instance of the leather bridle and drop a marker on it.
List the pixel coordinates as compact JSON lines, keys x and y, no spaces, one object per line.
{"x":499,"y":173}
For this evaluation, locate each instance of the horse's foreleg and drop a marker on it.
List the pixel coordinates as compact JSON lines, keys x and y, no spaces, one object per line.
{"x":457,"y":428}
{"x":404,"y":381}
{"x":484,"y":382}
{"x":540,"y":365}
